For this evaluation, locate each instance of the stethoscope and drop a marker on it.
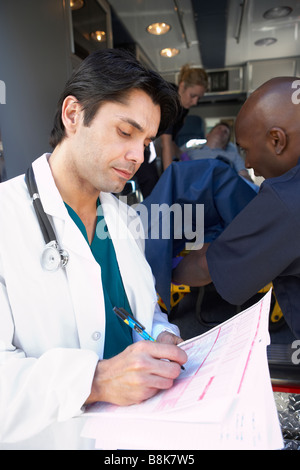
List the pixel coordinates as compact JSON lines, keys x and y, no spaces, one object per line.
{"x":53,"y":257}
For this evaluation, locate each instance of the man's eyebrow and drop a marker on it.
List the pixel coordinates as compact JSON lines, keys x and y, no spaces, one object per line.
{"x":135,"y":124}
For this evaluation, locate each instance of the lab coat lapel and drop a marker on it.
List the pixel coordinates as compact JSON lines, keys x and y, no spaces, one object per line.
{"x":135,"y":271}
{"x":82,"y":271}
{"x":49,"y":194}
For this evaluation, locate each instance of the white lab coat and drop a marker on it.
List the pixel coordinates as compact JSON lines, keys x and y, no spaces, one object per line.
{"x":52,"y":325}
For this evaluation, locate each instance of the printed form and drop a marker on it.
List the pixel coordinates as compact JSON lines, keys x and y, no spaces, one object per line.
{"x":225,"y":388}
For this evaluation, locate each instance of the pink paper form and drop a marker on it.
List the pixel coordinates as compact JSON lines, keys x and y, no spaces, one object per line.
{"x":214,"y":373}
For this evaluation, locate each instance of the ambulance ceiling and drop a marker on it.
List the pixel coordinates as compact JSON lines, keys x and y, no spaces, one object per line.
{"x":213,"y":34}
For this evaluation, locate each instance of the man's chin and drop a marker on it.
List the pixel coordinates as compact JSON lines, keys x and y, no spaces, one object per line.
{"x":119,"y":187}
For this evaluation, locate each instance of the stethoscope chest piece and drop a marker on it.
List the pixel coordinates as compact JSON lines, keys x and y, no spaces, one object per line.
{"x":53,"y":258}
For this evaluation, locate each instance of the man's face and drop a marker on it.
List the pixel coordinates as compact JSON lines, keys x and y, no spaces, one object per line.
{"x":267,"y":129}
{"x":109,"y":151}
{"x":254,"y":146}
{"x":218,"y":137}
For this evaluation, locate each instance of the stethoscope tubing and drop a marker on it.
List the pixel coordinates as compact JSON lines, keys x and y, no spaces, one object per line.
{"x":53,"y":257}
{"x":46,"y":227}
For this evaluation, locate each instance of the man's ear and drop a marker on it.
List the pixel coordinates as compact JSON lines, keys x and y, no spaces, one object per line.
{"x":70,"y":113}
{"x":278,"y":139}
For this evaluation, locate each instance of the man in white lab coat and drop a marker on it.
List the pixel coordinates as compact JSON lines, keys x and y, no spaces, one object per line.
{"x":61,"y":345}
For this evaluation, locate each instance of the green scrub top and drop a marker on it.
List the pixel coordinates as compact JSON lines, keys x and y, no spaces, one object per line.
{"x":118,"y":335}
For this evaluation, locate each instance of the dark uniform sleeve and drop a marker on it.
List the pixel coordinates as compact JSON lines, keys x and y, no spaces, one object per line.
{"x":257,"y":246}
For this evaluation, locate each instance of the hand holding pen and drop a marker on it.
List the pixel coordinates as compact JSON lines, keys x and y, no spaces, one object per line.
{"x":138,"y":372}
{"x":134,"y":324}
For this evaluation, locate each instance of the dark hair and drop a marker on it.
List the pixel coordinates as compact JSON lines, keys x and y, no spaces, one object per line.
{"x":108,"y":76}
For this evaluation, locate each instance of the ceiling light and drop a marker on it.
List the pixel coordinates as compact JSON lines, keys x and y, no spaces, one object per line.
{"x":277,"y":12}
{"x":158,"y":28}
{"x":265,"y":41}
{"x":98,"y":36}
{"x":169,"y":52}
{"x":76,"y":4}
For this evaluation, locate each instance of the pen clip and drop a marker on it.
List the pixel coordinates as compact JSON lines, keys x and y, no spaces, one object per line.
{"x":120,"y":312}
{"x":123,"y":314}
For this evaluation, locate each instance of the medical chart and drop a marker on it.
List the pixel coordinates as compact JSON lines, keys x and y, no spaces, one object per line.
{"x":226,"y":369}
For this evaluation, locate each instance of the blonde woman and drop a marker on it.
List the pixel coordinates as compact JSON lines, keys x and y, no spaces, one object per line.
{"x":192,"y":84}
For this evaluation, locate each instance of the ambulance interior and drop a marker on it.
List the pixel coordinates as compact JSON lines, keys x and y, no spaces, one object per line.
{"x":240,"y":43}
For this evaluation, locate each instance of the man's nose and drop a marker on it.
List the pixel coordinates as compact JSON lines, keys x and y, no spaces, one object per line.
{"x":136,"y":154}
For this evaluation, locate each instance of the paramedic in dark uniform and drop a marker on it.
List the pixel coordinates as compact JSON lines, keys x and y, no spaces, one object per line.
{"x":262,"y":244}
{"x":192,"y":84}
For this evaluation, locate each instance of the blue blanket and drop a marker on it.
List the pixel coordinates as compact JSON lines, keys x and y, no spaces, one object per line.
{"x":210,"y":182}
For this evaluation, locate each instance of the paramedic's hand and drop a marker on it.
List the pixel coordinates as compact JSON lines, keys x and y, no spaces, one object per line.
{"x":137,"y":373}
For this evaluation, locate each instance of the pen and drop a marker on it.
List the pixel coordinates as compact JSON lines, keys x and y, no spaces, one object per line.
{"x":134,"y":324}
